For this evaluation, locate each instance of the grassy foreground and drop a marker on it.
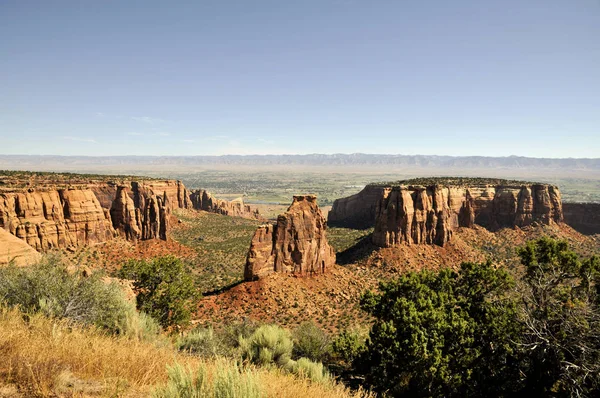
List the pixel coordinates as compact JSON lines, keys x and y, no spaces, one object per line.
{"x":43,"y":357}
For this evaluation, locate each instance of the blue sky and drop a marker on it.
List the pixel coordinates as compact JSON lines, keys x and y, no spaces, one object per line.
{"x":461,"y":77}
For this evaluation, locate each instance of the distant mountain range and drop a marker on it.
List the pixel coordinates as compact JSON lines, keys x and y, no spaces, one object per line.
{"x":356,"y":159}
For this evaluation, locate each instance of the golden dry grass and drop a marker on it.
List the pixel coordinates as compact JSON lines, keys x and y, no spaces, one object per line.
{"x":47,"y":358}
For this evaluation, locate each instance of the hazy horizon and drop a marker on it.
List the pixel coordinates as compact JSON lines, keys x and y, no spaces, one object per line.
{"x":461,"y":78}
{"x":301,"y":155}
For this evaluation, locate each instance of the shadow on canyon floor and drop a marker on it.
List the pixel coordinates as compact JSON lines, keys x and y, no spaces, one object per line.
{"x":360,"y":251}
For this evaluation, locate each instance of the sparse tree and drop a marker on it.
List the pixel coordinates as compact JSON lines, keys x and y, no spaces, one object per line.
{"x":561,"y":315}
{"x":165,"y":289}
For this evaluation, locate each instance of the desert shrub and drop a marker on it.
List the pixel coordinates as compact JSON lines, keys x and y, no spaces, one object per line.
{"x":206,"y":341}
{"x":231,"y":333}
{"x":49,"y":288}
{"x":141,"y":326}
{"x":233,"y":382}
{"x":314,"y":371}
{"x":269,"y":344}
{"x":165,"y":289}
{"x":310,"y":341}
{"x":229,"y":382}
{"x":348,"y":345}
{"x":184,"y":383}
{"x":203,"y":342}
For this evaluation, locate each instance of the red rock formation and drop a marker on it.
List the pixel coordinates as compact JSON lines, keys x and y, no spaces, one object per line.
{"x":356,"y":211}
{"x":203,"y":200}
{"x":417,"y":214}
{"x":15,"y":250}
{"x":176,"y":194}
{"x":91,"y":211}
{"x":55,"y":218}
{"x":260,"y":260}
{"x":583,"y":217}
{"x":152,"y":209}
{"x":296,"y":244}
{"x":124,"y":216}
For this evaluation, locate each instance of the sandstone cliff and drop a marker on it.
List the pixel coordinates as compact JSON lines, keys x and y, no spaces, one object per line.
{"x":296,"y":244}
{"x":47,"y":219}
{"x":125,"y":216}
{"x":50,"y":211}
{"x":14,"y":249}
{"x":357,"y":211}
{"x":430,"y":214}
{"x":203,"y":200}
{"x":583,"y":217}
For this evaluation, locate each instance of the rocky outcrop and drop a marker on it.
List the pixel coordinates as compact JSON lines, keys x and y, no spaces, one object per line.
{"x":356,"y":211}
{"x":153,"y":207}
{"x":125,"y":216}
{"x":174,"y":193}
{"x":55,"y":218}
{"x":430,"y":214}
{"x":583,"y":217}
{"x":203,"y":200}
{"x":13,"y":249}
{"x":296,"y":244}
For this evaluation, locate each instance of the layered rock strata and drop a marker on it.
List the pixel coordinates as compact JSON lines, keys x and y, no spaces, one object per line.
{"x":357,"y":211}
{"x":430,"y":214}
{"x":126,"y":218}
{"x":296,"y":244}
{"x":89,"y":212}
{"x":50,"y":219}
{"x":203,"y":200}
{"x":583,"y":217}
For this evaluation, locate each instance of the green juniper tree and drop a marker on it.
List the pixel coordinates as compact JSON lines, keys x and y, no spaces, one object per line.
{"x":443,"y":334}
{"x":165,"y":289}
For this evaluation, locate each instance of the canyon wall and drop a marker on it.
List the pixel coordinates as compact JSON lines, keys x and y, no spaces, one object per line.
{"x":296,"y":244}
{"x":583,"y":217}
{"x":60,"y":214}
{"x":357,"y":211}
{"x":47,"y":219}
{"x":430,"y":214}
{"x":203,"y":200}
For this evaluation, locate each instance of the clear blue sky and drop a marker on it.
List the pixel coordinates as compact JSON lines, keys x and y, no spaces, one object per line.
{"x":460,"y":77}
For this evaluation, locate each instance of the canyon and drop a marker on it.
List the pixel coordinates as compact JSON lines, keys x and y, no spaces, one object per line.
{"x":295,"y":244}
{"x":70,"y":212}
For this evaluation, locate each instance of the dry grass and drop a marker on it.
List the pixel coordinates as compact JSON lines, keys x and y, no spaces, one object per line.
{"x":279,"y":384}
{"x":41,"y":356}
{"x":47,"y":358}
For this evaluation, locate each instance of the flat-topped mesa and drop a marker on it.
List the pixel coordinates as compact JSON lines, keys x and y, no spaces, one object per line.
{"x":430,"y":214}
{"x":203,"y":200}
{"x":296,"y":244}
